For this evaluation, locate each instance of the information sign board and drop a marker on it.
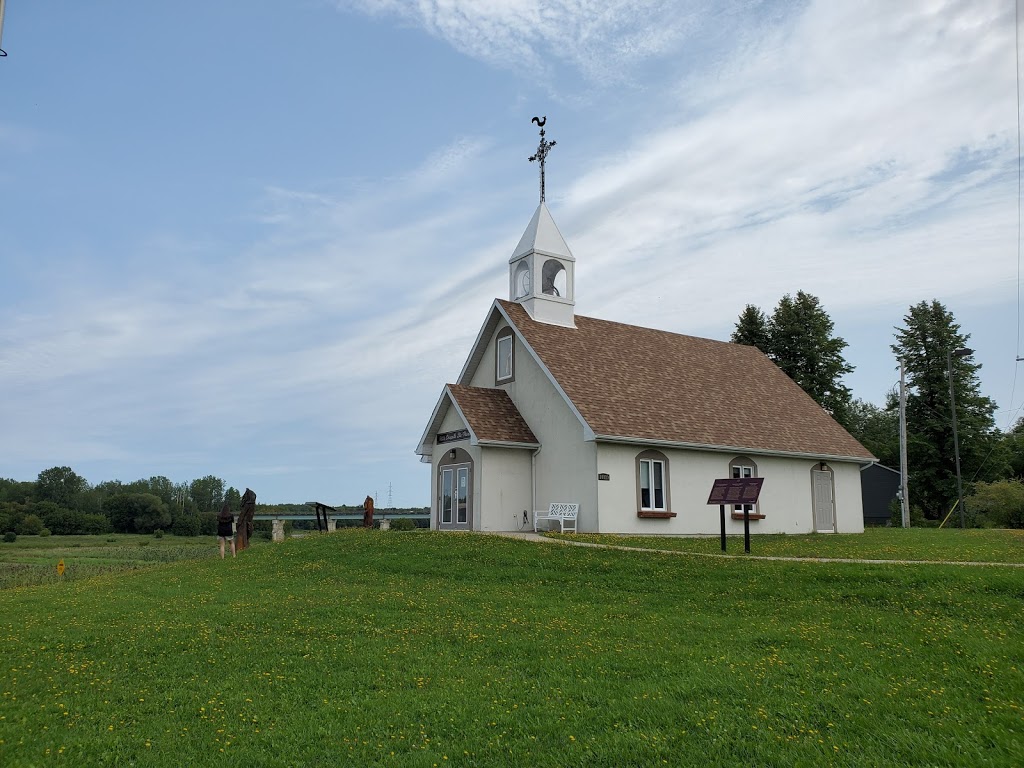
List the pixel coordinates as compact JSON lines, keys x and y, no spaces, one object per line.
{"x":736,"y":490}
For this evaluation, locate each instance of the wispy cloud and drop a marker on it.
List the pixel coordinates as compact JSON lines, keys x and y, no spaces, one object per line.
{"x":862,"y":152}
{"x":603,"y":39}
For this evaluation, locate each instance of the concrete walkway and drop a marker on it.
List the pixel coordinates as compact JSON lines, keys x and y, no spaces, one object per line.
{"x":536,"y":537}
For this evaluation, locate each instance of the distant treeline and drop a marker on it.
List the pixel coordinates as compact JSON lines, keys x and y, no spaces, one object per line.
{"x":63,"y":503}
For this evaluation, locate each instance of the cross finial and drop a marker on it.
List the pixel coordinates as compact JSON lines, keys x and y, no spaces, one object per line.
{"x":542,"y":150}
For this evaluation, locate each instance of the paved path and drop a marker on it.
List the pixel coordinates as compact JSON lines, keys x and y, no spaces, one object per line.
{"x":536,"y":537}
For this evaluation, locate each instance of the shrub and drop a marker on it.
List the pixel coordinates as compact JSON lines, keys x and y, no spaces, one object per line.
{"x":31,"y":525}
{"x":158,"y":534}
{"x":186,"y":524}
{"x":10,"y":537}
{"x":403,"y":524}
{"x":1002,"y":502}
{"x":96,"y":524}
{"x":45,"y":532}
{"x":208,"y":524}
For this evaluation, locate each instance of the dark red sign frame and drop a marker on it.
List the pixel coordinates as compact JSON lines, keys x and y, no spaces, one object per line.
{"x":736,"y":490}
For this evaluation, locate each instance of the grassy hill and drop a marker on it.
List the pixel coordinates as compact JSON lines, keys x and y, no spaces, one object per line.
{"x":423,"y":649}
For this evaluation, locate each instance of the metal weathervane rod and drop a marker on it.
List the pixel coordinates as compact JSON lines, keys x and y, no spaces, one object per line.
{"x":2,"y":4}
{"x":542,"y":150}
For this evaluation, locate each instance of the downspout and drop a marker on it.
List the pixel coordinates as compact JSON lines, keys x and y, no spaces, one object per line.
{"x":533,"y":482}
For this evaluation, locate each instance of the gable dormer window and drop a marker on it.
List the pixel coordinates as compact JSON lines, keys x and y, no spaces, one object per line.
{"x":504,"y":370}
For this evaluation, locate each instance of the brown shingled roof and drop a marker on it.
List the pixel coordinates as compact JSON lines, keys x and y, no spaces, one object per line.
{"x":491,"y":414}
{"x":633,"y":382}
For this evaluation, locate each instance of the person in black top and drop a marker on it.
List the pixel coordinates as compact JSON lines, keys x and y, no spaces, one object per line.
{"x":225,"y":531}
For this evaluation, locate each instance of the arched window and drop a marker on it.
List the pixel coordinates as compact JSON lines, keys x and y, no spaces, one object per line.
{"x":653,"y":498}
{"x":744,"y":466}
{"x":553,"y":278}
{"x":521,"y":281}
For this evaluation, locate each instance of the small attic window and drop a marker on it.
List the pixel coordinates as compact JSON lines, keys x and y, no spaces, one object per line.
{"x":503,"y":357}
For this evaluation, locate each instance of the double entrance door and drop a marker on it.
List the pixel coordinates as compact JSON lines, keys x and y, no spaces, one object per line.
{"x":454,"y":510}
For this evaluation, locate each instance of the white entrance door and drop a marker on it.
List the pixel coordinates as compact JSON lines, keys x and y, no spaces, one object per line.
{"x":824,"y":504}
{"x":455,"y":505}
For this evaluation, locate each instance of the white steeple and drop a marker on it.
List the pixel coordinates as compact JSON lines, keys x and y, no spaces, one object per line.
{"x":542,"y":271}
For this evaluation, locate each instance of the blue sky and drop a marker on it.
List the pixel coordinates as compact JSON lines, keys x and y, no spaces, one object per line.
{"x":255,"y":239}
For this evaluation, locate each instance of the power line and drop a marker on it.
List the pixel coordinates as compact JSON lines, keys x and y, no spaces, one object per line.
{"x":1016,"y":54}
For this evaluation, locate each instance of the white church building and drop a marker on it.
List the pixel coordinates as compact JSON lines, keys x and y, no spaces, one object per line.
{"x":632,"y":424}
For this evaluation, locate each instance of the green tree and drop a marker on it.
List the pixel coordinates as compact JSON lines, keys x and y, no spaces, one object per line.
{"x":1002,"y":502}
{"x":234,"y":499}
{"x":136,"y":512}
{"x":752,"y":329}
{"x":877,"y":429}
{"x":11,"y":515}
{"x":1013,"y":450}
{"x":803,"y":346}
{"x":163,"y":488}
{"x":798,"y":338}
{"x":30,"y":525}
{"x":61,"y":486}
{"x":207,"y":493}
{"x":13,"y":490}
{"x":925,"y":342}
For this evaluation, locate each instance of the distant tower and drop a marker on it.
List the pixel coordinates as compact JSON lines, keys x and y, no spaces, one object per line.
{"x":390,"y":505}
{"x":541,"y":272}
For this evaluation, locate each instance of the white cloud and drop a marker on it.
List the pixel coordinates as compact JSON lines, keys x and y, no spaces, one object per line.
{"x":862,"y":152}
{"x":601,"y":38}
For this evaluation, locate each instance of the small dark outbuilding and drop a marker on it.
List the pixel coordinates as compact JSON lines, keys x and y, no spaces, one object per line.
{"x":879,"y":488}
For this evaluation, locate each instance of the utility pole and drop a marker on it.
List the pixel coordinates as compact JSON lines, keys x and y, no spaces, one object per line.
{"x":956,"y":442}
{"x":904,"y":493}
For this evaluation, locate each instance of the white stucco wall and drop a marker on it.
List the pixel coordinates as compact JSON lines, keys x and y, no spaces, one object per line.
{"x":849,"y":501}
{"x":504,"y":483}
{"x":785,"y":500}
{"x":566,"y":465}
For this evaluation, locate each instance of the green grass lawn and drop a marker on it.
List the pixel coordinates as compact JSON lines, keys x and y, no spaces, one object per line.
{"x":987,"y":546}
{"x":32,"y":560}
{"x":430,"y":649}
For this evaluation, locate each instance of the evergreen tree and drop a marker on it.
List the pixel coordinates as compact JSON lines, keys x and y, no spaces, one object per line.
{"x":752,"y":329}
{"x":798,"y":338}
{"x":925,"y":344}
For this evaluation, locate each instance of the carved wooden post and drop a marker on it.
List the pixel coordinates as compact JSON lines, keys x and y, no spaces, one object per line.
{"x":245,"y":516}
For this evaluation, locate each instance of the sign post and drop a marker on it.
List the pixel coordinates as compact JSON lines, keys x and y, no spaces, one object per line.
{"x":736,"y":490}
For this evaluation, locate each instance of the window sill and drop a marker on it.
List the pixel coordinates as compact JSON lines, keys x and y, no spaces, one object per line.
{"x":753,"y":516}
{"x":655,"y":514}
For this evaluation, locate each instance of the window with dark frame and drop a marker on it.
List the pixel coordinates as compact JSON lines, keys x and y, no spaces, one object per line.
{"x":503,"y":370}
{"x":653,"y":496}
{"x":740,"y":467}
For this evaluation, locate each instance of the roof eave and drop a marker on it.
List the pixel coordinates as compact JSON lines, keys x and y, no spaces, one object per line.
{"x":426,"y":446}
{"x":817,"y":456}
{"x":507,"y":444}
